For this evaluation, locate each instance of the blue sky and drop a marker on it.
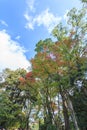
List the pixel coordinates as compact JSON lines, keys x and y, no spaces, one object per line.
{"x":23,"y":23}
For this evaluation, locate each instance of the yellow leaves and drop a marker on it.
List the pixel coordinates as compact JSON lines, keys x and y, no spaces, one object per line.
{"x":72,"y":33}
{"x":54,"y":106}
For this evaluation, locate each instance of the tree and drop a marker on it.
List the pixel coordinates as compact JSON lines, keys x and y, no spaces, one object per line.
{"x":11,"y":99}
{"x":63,"y":62}
{"x":51,"y":92}
{"x":11,"y":114}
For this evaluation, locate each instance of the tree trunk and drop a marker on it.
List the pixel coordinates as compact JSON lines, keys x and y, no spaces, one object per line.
{"x":72,"y":113}
{"x":50,"y":117}
{"x":27,"y":118}
{"x":65,"y":112}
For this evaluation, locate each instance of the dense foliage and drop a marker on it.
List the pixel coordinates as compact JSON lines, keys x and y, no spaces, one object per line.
{"x":53,"y":95}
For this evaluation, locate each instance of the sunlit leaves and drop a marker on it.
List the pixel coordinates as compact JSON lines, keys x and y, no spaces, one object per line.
{"x":60,"y":32}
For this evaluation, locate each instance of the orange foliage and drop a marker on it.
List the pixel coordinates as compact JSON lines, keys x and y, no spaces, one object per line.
{"x":54,"y":106}
{"x":28,"y":75}
{"x":22,"y":80}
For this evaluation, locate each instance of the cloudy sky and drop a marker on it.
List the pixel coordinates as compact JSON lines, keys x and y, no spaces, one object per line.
{"x":23,"y":23}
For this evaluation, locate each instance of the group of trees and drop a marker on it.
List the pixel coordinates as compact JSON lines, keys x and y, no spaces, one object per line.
{"x":53,"y":95}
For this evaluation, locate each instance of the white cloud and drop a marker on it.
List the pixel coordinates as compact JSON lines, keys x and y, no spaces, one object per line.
{"x":30,"y":5}
{"x":2,"y":22}
{"x":11,"y":53}
{"x":45,"y":18}
{"x":30,"y":22}
{"x":17,"y":37}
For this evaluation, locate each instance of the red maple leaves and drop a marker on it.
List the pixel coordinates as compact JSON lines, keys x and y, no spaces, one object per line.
{"x":28,"y":77}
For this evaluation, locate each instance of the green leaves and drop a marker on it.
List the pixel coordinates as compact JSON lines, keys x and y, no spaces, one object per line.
{"x":9,"y":112}
{"x":59,"y":32}
{"x":56,"y":68}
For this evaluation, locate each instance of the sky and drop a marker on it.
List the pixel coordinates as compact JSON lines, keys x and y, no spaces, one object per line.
{"x":23,"y":23}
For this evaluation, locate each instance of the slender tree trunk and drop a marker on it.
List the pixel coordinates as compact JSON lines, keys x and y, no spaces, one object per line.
{"x":28,"y":116}
{"x":65,"y":112}
{"x":27,"y":123}
{"x":72,"y":114}
{"x":48,"y":107}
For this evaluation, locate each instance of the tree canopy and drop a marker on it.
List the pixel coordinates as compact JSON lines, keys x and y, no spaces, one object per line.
{"x":53,"y":95}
